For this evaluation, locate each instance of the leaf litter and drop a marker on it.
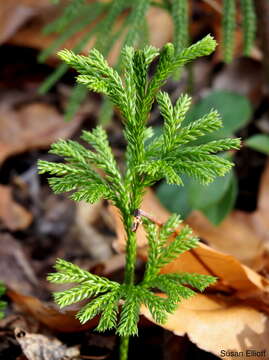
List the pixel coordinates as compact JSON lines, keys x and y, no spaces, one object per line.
{"x":232,"y":314}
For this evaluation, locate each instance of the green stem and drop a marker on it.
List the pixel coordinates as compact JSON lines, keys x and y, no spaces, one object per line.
{"x":129,"y":276}
{"x":124,"y":347}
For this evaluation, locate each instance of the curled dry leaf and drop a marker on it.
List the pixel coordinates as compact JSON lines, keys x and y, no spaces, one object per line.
{"x":220,"y":327}
{"x":14,"y":216}
{"x":40,"y":347}
{"x":48,"y":315}
{"x":31,"y":126}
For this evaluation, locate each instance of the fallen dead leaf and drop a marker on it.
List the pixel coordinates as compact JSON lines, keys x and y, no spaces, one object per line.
{"x":48,"y":315}
{"x":220,"y":326}
{"x":31,"y":126}
{"x":94,"y":243}
{"x":15,"y":268}
{"x":13,"y":216}
{"x":14,"y":13}
{"x":40,"y":347}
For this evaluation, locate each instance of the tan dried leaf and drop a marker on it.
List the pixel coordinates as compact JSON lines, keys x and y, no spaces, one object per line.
{"x":221,"y":327}
{"x":32,"y":126}
{"x":40,"y":347}
{"x":49,"y":315}
{"x":14,"y":13}
{"x":14,"y":216}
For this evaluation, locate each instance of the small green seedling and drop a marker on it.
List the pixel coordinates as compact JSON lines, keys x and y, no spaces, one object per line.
{"x":167,"y":156}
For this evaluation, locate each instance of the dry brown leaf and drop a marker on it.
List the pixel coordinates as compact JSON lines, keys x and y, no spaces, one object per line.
{"x":94,"y":243}
{"x":14,"y":216}
{"x":215,"y":324}
{"x":41,"y":347}
{"x":48,"y":315}
{"x":15,"y":268}
{"x":14,"y":13}
{"x":32,"y":126}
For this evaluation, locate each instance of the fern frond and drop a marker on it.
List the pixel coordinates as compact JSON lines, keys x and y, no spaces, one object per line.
{"x":156,"y":305}
{"x":130,"y":313}
{"x":170,"y":126}
{"x":158,"y":169}
{"x":108,"y":319}
{"x":184,"y":241}
{"x":69,"y":272}
{"x":81,"y":292}
{"x":175,"y":291}
{"x":169,"y":228}
{"x":207,"y":124}
{"x":214,"y":146}
{"x":104,"y":159}
{"x":169,"y":63}
{"x":197,"y":281}
{"x":93,"y":308}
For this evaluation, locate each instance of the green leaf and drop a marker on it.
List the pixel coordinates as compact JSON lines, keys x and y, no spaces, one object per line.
{"x":259,"y":143}
{"x":204,"y":196}
{"x":175,"y":198}
{"x":215,"y":200}
{"x":217,"y":212}
{"x":235,"y":111}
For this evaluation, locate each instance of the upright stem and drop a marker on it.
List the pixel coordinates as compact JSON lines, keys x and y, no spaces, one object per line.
{"x":124,"y":347}
{"x":130,"y":256}
{"x":129,"y":276}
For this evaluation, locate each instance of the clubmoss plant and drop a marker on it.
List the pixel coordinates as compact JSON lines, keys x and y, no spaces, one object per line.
{"x":167,"y":156}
